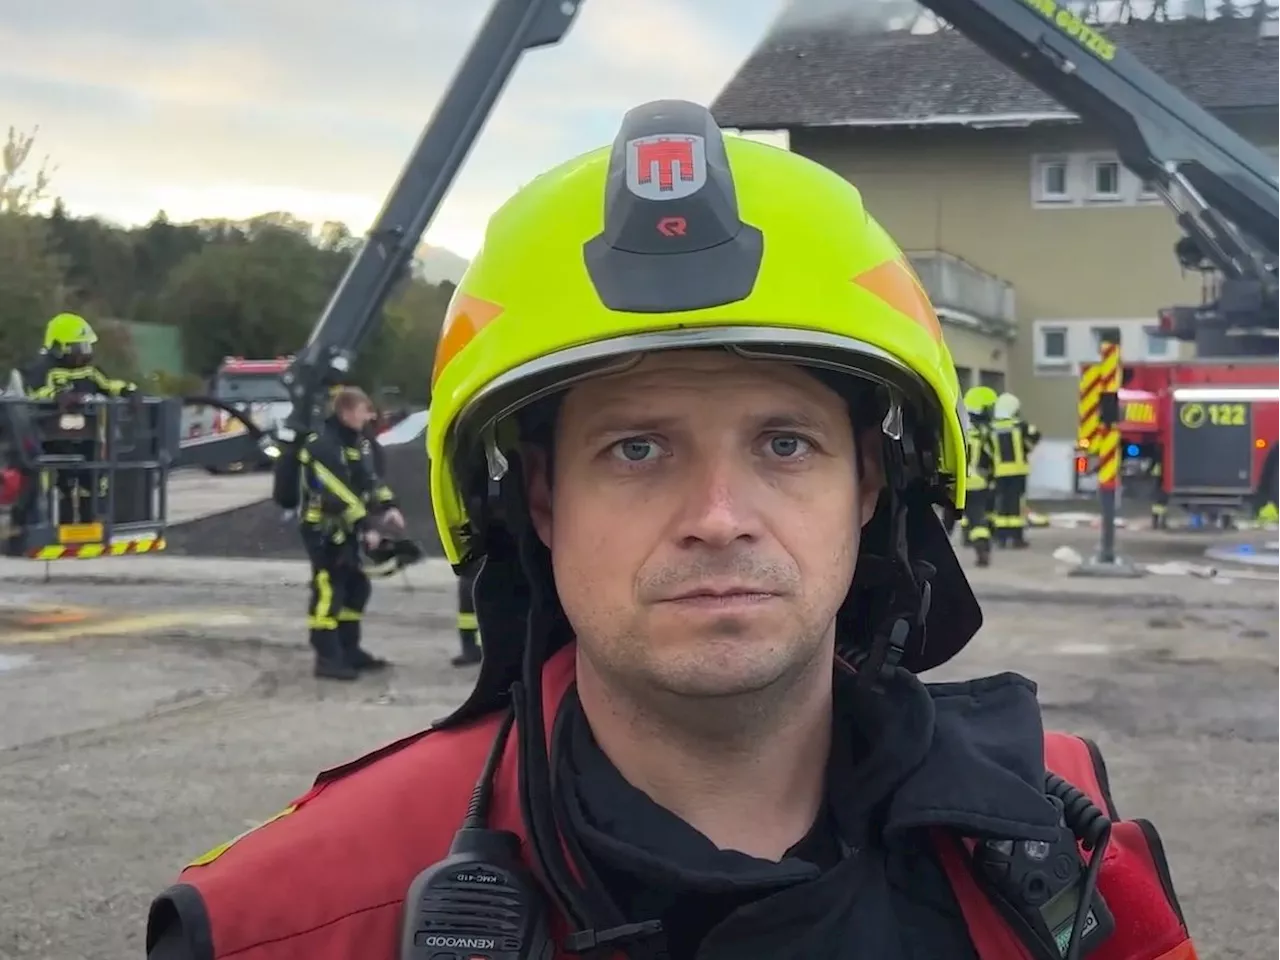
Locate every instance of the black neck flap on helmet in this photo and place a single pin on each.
(673, 241)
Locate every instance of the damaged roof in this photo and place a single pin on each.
(834, 77)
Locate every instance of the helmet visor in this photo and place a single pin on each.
(477, 426)
(78, 353)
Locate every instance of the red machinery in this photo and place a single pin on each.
(10, 486)
(1210, 423)
(253, 386)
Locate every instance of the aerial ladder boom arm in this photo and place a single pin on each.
(1221, 187)
(354, 310)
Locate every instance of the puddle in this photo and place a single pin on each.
(12, 661)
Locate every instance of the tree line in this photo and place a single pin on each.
(232, 288)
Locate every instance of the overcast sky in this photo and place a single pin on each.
(236, 107)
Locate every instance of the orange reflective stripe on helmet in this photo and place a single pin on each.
(896, 284)
(466, 316)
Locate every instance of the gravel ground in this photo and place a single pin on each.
(257, 529)
(154, 706)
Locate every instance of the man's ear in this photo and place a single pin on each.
(870, 471)
(538, 491)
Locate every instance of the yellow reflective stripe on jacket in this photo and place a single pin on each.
(212, 855)
(1014, 464)
(355, 507)
(107, 385)
(57, 378)
(975, 455)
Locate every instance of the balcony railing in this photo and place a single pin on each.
(963, 293)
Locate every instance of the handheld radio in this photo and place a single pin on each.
(1044, 887)
(480, 902)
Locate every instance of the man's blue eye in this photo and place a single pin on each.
(787, 447)
(634, 451)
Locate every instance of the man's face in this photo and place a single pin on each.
(703, 520)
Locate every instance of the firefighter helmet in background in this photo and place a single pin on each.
(390, 556)
(1007, 407)
(979, 401)
(678, 237)
(69, 334)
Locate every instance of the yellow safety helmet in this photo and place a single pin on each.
(979, 400)
(68, 330)
(678, 237)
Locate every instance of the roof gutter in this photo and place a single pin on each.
(981, 121)
(975, 121)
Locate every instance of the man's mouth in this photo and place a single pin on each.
(723, 595)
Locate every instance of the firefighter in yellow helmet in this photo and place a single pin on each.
(64, 370)
(978, 403)
(692, 412)
(65, 363)
(1012, 441)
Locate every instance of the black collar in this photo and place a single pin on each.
(964, 756)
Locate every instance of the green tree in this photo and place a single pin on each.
(402, 351)
(114, 353)
(31, 289)
(21, 187)
(158, 248)
(256, 298)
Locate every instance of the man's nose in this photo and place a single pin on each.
(716, 507)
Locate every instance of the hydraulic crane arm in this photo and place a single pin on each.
(1221, 187)
(512, 27)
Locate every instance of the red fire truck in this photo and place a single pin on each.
(1209, 424)
(252, 387)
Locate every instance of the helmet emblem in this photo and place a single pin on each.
(666, 167)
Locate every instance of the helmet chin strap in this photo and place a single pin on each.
(895, 589)
(901, 595)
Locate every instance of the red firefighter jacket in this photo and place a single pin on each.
(299, 887)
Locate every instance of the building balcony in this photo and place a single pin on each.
(964, 295)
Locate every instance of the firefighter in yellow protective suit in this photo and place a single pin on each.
(1159, 497)
(978, 401)
(1269, 489)
(1012, 440)
(64, 370)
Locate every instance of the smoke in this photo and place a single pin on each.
(853, 16)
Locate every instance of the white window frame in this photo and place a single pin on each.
(1095, 337)
(1091, 183)
(1040, 164)
(1166, 346)
(1044, 363)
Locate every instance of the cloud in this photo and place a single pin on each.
(207, 107)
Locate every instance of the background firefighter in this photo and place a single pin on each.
(64, 370)
(1269, 489)
(978, 401)
(1159, 496)
(468, 626)
(65, 364)
(1012, 440)
(344, 502)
